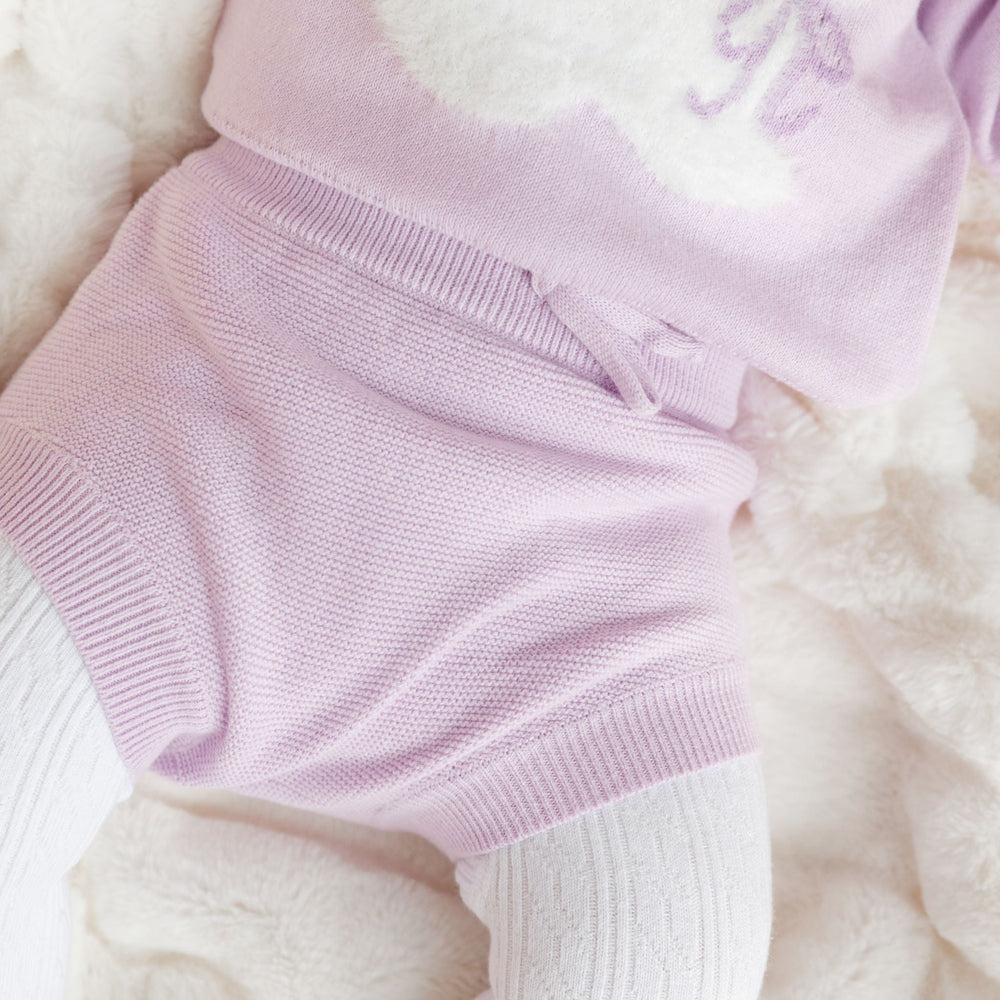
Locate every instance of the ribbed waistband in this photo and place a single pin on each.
(700, 385)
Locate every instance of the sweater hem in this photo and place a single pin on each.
(105, 591)
(657, 734)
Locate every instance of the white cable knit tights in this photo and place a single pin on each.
(664, 895)
(60, 776)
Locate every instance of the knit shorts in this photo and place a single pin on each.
(341, 514)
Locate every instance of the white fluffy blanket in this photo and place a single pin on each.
(869, 560)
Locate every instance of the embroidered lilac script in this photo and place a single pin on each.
(822, 51)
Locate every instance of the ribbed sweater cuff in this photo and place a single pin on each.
(104, 590)
(701, 720)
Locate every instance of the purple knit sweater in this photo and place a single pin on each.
(381, 467)
(780, 177)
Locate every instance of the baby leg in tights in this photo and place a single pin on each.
(663, 895)
(60, 776)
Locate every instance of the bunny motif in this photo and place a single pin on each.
(822, 51)
(661, 70)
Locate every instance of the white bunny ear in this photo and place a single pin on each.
(627, 66)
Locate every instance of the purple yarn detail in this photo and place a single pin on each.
(822, 52)
(752, 55)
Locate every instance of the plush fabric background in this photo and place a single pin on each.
(869, 561)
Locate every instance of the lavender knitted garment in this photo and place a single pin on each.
(381, 467)
(779, 177)
(340, 514)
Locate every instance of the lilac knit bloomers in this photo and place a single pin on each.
(340, 513)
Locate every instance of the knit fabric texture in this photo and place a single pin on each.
(779, 177)
(666, 892)
(340, 513)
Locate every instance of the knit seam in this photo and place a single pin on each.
(282, 157)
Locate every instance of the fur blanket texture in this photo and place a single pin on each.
(868, 557)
